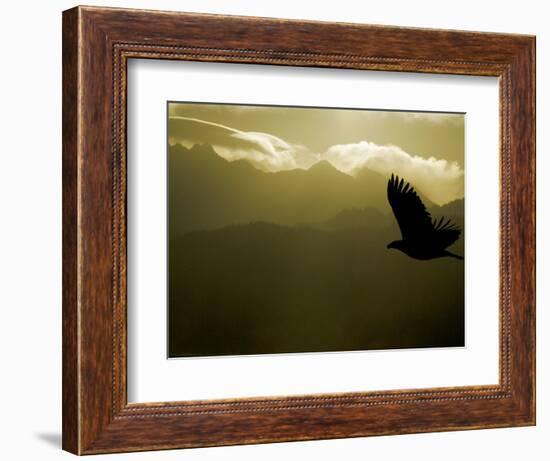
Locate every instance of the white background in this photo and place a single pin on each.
(30, 243)
(153, 378)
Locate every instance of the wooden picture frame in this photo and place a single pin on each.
(97, 43)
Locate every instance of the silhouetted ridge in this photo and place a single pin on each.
(266, 288)
(211, 192)
(323, 166)
(356, 218)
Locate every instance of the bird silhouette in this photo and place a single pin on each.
(422, 237)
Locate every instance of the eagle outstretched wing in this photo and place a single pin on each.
(415, 222)
(445, 233)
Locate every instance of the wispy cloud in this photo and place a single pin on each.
(440, 180)
(436, 118)
(263, 150)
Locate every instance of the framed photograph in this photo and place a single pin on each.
(282, 230)
(275, 248)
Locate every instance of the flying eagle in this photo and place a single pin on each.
(422, 237)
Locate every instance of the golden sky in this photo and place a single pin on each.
(427, 149)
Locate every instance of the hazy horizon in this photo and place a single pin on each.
(425, 148)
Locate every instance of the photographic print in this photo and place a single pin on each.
(313, 229)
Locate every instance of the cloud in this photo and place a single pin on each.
(437, 118)
(429, 118)
(440, 180)
(265, 151)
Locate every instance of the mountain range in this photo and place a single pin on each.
(296, 261)
(208, 192)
